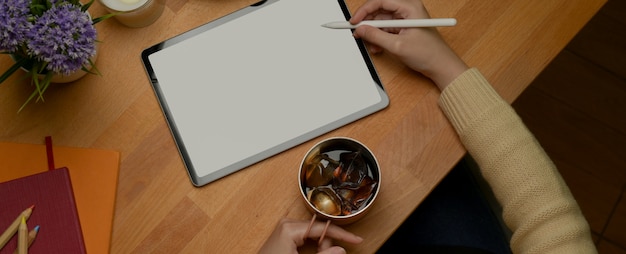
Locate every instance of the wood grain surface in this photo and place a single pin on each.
(159, 210)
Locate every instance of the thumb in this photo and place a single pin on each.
(333, 250)
(375, 36)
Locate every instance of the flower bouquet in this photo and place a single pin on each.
(47, 38)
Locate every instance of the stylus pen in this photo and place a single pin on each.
(395, 23)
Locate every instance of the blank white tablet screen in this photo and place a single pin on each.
(263, 82)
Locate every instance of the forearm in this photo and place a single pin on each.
(537, 205)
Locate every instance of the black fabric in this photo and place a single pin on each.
(454, 218)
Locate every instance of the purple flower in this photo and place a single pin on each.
(64, 37)
(13, 23)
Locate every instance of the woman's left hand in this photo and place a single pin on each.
(289, 235)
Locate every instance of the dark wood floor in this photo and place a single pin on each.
(577, 110)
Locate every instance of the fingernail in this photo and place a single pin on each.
(339, 251)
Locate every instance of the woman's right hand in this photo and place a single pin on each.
(421, 49)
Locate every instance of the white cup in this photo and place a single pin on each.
(135, 13)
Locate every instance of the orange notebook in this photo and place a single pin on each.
(93, 172)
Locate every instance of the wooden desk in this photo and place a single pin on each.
(159, 210)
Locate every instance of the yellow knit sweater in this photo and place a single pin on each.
(537, 204)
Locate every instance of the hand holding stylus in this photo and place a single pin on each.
(393, 23)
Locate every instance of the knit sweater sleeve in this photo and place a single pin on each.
(537, 205)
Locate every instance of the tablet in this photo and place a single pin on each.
(259, 81)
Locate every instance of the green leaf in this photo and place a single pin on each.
(27, 101)
(94, 70)
(38, 9)
(39, 67)
(35, 79)
(21, 62)
(86, 6)
(74, 2)
(45, 84)
(102, 18)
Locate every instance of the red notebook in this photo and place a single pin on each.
(55, 211)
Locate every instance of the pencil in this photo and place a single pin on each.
(31, 237)
(22, 237)
(12, 229)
